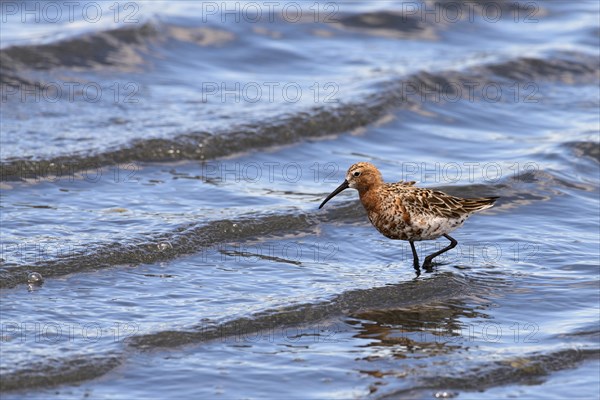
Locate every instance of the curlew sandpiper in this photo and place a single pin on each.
(405, 212)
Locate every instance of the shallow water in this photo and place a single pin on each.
(175, 219)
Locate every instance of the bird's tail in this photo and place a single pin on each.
(478, 204)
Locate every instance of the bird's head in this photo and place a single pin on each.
(360, 176)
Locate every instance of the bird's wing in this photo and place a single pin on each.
(405, 183)
(420, 201)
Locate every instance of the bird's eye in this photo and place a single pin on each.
(356, 173)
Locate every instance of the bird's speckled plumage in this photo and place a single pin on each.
(402, 211)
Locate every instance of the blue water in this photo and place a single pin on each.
(162, 168)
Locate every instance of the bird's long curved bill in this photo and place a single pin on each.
(343, 186)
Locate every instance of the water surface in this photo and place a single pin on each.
(174, 215)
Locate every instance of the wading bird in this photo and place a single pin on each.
(405, 212)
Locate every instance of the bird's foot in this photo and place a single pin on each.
(417, 267)
(428, 266)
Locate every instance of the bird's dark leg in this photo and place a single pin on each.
(453, 243)
(415, 255)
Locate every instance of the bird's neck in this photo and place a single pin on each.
(368, 197)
